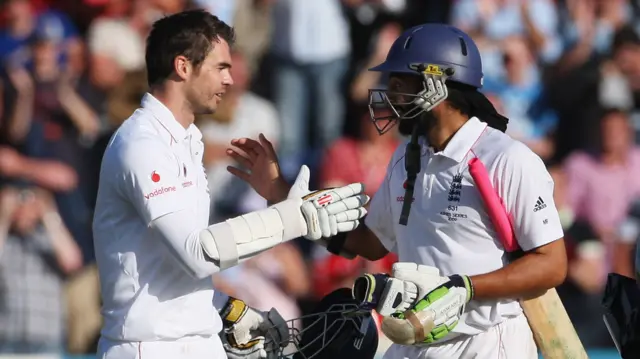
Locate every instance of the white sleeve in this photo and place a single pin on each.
(526, 188)
(379, 218)
(150, 180)
(182, 238)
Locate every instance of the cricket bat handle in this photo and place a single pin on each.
(552, 329)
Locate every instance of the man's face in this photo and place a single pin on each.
(208, 83)
(28, 213)
(617, 136)
(403, 84)
(18, 10)
(400, 84)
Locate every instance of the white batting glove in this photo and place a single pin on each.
(300, 186)
(426, 278)
(327, 216)
(331, 211)
(253, 349)
(441, 303)
(399, 292)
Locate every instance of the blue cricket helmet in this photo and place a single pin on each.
(439, 54)
(440, 45)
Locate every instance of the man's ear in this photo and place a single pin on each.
(182, 67)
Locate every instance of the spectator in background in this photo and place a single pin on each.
(241, 113)
(601, 184)
(36, 253)
(51, 175)
(22, 22)
(521, 93)
(582, 84)
(490, 21)
(253, 25)
(64, 128)
(623, 79)
(116, 46)
(594, 22)
(311, 48)
(365, 79)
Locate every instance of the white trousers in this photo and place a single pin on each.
(511, 339)
(188, 348)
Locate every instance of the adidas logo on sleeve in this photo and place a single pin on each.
(540, 205)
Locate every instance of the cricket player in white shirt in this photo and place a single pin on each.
(155, 249)
(452, 264)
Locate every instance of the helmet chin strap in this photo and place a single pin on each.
(412, 166)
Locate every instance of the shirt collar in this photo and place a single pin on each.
(167, 120)
(463, 140)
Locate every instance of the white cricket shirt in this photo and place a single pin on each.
(152, 167)
(448, 226)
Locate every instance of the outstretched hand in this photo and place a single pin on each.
(260, 167)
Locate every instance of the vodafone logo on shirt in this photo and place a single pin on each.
(160, 191)
(155, 178)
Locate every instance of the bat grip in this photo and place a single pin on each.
(495, 208)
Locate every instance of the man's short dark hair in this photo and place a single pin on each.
(188, 33)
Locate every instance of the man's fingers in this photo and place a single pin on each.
(243, 161)
(242, 153)
(250, 145)
(350, 215)
(268, 146)
(347, 204)
(239, 173)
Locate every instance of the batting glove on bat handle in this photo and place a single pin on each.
(384, 294)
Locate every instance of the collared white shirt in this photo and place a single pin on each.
(152, 167)
(448, 226)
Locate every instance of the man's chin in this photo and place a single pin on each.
(206, 111)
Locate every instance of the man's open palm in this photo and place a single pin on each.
(260, 167)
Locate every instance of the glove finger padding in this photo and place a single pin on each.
(355, 202)
(349, 190)
(351, 215)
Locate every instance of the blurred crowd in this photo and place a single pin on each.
(565, 72)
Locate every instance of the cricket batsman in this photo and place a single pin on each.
(452, 266)
(155, 249)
